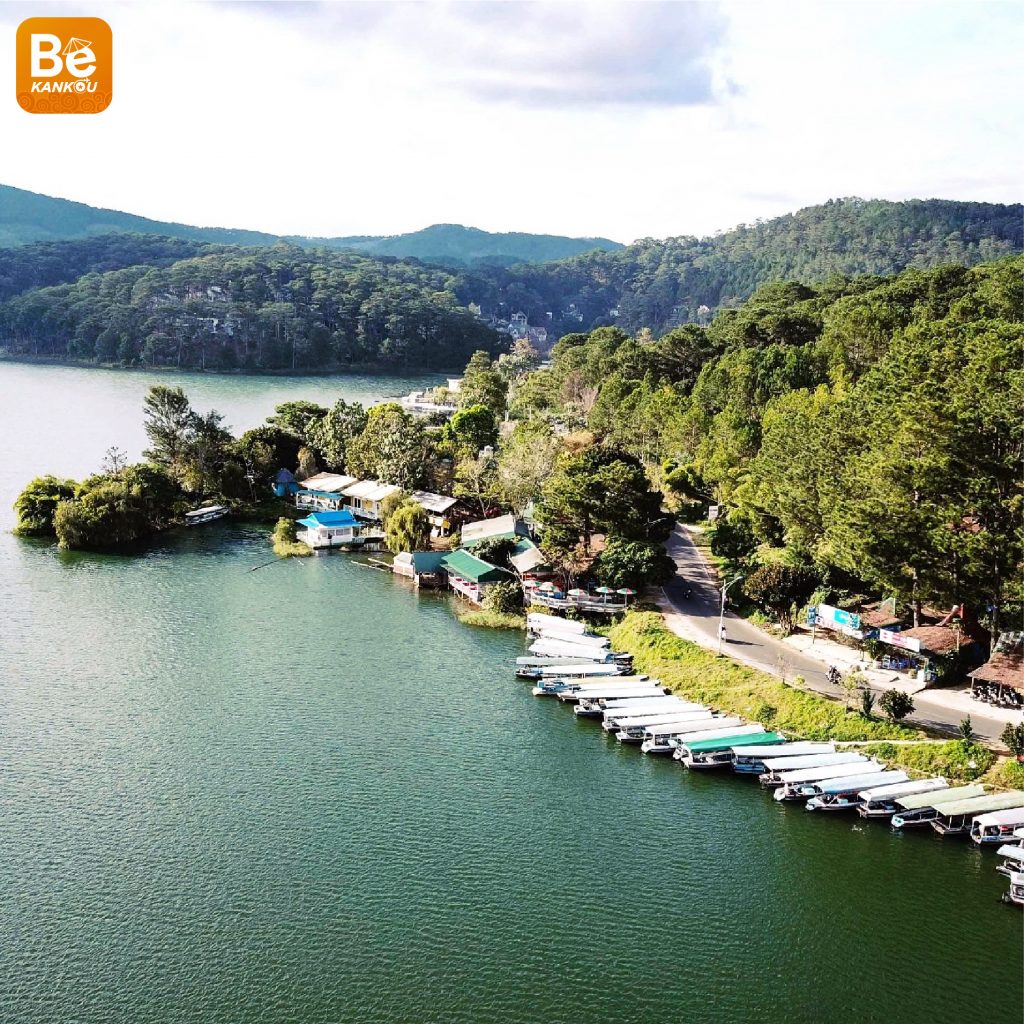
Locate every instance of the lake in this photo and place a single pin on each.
(307, 794)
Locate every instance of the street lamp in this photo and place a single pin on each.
(721, 614)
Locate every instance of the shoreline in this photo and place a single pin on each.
(356, 369)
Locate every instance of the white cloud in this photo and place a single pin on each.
(623, 120)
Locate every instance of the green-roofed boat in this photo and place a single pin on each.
(718, 753)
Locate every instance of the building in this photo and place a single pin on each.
(506, 527)
(424, 567)
(440, 511)
(470, 576)
(285, 483)
(1001, 679)
(363, 497)
(322, 492)
(330, 529)
(527, 559)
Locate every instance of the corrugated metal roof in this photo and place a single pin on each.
(340, 518)
(469, 567)
(492, 529)
(327, 482)
(437, 503)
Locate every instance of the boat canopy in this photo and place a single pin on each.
(1001, 819)
(717, 728)
(1012, 852)
(692, 725)
(562, 649)
(891, 792)
(547, 671)
(637, 691)
(828, 771)
(785, 750)
(664, 718)
(578, 639)
(853, 783)
(980, 805)
(554, 624)
(528, 661)
(781, 764)
(656, 706)
(750, 734)
(920, 801)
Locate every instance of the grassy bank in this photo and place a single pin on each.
(953, 760)
(492, 620)
(697, 674)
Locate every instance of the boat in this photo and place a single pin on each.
(955, 819)
(578, 652)
(649, 713)
(922, 808)
(530, 668)
(791, 781)
(1013, 859)
(996, 826)
(844, 794)
(880, 801)
(648, 689)
(636, 731)
(205, 514)
(539, 623)
(659, 739)
(595, 705)
(718, 753)
(775, 767)
(1015, 895)
(751, 761)
(573, 687)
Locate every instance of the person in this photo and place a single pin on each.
(721, 634)
(833, 674)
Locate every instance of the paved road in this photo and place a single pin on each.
(753, 646)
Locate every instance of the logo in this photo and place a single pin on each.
(64, 65)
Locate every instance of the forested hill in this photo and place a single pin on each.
(660, 284)
(267, 308)
(455, 244)
(30, 217)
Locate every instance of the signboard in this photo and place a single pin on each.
(835, 618)
(893, 639)
(712, 513)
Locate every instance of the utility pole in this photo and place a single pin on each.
(721, 613)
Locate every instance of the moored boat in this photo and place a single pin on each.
(718, 753)
(880, 801)
(922, 808)
(1012, 859)
(750, 761)
(996, 826)
(1015, 895)
(844, 794)
(790, 783)
(636, 732)
(956, 819)
(775, 768)
(661, 739)
(205, 514)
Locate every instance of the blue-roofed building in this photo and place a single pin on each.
(285, 483)
(330, 529)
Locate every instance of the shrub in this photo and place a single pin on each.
(966, 730)
(1013, 737)
(286, 545)
(896, 705)
(867, 702)
(505, 598)
(38, 502)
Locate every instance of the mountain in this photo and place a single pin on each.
(456, 244)
(660, 284)
(30, 217)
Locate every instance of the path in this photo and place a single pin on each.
(696, 619)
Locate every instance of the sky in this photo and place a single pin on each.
(624, 120)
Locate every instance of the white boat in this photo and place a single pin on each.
(839, 770)
(775, 768)
(531, 668)
(542, 622)
(205, 514)
(1013, 859)
(660, 739)
(570, 688)
(1015, 894)
(623, 686)
(750, 760)
(577, 652)
(582, 671)
(632, 731)
(844, 794)
(649, 713)
(922, 808)
(595, 705)
(718, 753)
(996, 826)
(718, 739)
(880, 801)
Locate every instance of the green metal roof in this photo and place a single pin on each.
(980, 804)
(725, 742)
(917, 801)
(469, 567)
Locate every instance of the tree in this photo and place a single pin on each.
(390, 504)
(335, 430)
(867, 702)
(496, 550)
(474, 479)
(504, 597)
(600, 490)
(392, 447)
(1013, 737)
(37, 503)
(108, 515)
(297, 417)
(472, 428)
(525, 460)
(966, 730)
(896, 705)
(114, 461)
(633, 564)
(168, 419)
(265, 450)
(482, 385)
(408, 528)
(779, 589)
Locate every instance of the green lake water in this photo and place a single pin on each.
(307, 794)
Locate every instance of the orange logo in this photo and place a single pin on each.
(64, 65)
